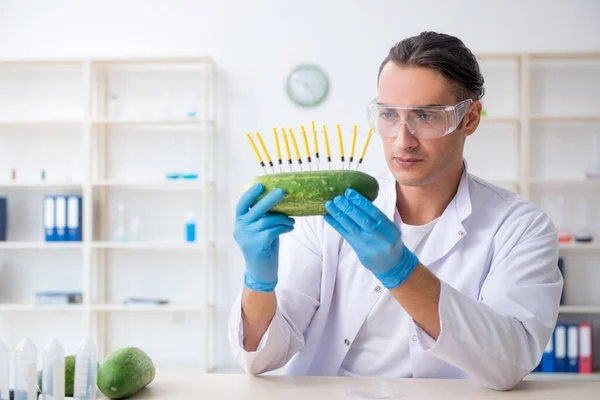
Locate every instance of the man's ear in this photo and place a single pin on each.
(471, 119)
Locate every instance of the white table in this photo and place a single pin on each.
(192, 384)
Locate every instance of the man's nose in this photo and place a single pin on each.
(404, 139)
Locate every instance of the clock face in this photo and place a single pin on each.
(307, 85)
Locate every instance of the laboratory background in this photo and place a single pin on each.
(124, 150)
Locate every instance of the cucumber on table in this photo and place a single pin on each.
(125, 372)
(306, 192)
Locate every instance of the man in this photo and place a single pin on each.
(442, 276)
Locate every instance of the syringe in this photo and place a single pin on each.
(4, 371)
(86, 370)
(25, 370)
(53, 379)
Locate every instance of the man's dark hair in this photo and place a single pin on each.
(444, 53)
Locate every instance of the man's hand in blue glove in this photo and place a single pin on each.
(257, 235)
(375, 239)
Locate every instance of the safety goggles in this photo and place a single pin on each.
(423, 122)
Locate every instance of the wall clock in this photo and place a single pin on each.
(307, 85)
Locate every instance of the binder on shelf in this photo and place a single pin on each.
(74, 219)
(547, 363)
(561, 263)
(49, 219)
(573, 348)
(560, 348)
(585, 348)
(3, 211)
(61, 218)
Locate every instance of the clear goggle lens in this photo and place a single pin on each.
(422, 122)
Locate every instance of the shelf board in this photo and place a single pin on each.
(167, 308)
(566, 118)
(579, 309)
(500, 120)
(147, 246)
(592, 246)
(565, 182)
(8, 307)
(180, 184)
(153, 60)
(41, 122)
(559, 376)
(40, 185)
(25, 245)
(548, 56)
(173, 121)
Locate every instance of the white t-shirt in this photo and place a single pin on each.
(381, 347)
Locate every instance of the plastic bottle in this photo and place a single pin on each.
(189, 172)
(86, 370)
(113, 106)
(135, 230)
(564, 234)
(120, 233)
(584, 233)
(53, 378)
(190, 227)
(26, 370)
(4, 372)
(593, 172)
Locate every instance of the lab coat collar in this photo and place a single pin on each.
(449, 229)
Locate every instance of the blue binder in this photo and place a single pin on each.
(573, 348)
(547, 363)
(561, 263)
(3, 210)
(61, 218)
(49, 219)
(560, 348)
(74, 219)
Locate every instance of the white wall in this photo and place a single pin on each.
(256, 43)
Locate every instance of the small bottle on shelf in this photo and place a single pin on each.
(189, 172)
(113, 106)
(564, 234)
(593, 171)
(135, 229)
(190, 227)
(584, 233)
(120, 234)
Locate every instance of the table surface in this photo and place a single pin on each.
(194, 384)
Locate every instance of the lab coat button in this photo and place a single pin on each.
(378, 289)
(414, 338)
(461, 233)
(346, 342)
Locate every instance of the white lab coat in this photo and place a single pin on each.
(496, 256)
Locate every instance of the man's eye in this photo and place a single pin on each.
(386, 115)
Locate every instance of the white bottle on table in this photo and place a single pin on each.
(53, 377)
(4, 372)
(86, 370)
(26, 370)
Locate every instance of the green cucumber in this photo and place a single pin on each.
(125, 372)
(306, 192)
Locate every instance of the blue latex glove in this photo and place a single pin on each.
(375, 239)
(257, 234)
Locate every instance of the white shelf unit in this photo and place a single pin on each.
(554, 96)
(98, 312)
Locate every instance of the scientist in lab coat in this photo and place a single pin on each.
(443, 276)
